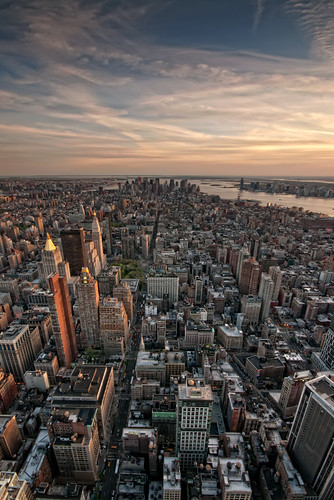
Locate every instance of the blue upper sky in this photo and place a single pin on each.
(166, 86)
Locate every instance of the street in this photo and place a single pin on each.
(115, 446)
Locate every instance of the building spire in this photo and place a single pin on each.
(49, 246)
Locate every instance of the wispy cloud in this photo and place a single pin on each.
(258, 13)
(316, 18)
(84, 87)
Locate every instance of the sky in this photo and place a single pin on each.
(167, 87)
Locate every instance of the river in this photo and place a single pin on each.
(228, 191)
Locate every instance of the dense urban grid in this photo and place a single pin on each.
(160, 343)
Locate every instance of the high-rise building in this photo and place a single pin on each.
(276, 275)
(198, 290)
(13, 487)
(8, 391)
(40, 225)
(93, 259)
(88, 303)
(97, 240)
(51, 260)
(327, 351)
(11, 286)
(292, 389)
(249, 277)
(193, 421)
(108, 232)
(128, 246)
(108, 278)
(242, 256)
(145, 245)
(159, 285)
(311, 440)
(122, 292)
(62, 320)
(114, 327)
(89, 386)
(73, 244)
(19, 347)
(10, 436)
(266, 294)
(142, 441)
(268, 262)
(74, 437)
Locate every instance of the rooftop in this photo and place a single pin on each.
(324, 387)
(195, 389)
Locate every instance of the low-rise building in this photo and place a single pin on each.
(231, 338)
(171, 479)
(234, 480)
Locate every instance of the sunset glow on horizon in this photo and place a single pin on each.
(167, 87)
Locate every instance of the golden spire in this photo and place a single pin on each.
(49, 246)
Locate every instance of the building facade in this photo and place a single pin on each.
(88, 303)
(193, 421)
(311, 440)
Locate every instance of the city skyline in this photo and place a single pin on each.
(167, 88)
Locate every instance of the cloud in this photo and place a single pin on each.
(258, 13)
(85, 87)
(316, 19)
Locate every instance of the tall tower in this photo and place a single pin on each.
(73, 243)
(266, 294)
(40, 225)
(97, 239)
(249, 277)
(128, 246)
(88, 302)
(108, 232)
(62, 320)
(243, 255)
(311, 440)
(51, 257)
(198, 290)
(145, 245)
(193, 421)
(276, 275)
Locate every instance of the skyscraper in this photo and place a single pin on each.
(276, 275)
(145, 245)
(311, 440)
(243, 255)
(62, 320)
(193, 421)
(108, 232)
(251, 308)
(88, 302)
(51, 258)
(97, 240)
(266, 294)
(19, 347)
(249, 277)
(73, 244)
(128, 246)
(74, 437)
